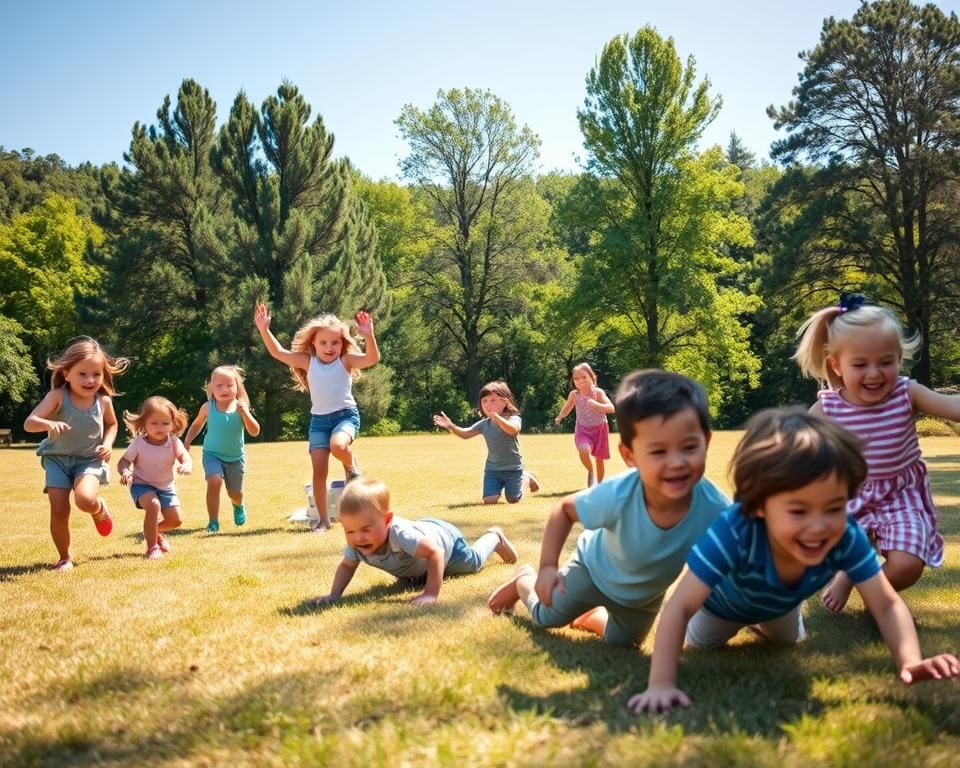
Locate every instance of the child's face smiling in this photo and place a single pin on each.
(804, 524)
(85, 377)
(670, 454)
(869, 364)
(158, 426)
(366, 530)
(327, 344)
(224, 388)
(583, 382)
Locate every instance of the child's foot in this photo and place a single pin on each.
(506, 595)
(239, 514)
(102, 520)
(506, 550)
(154, 553)
(593, 621)
(322, 527)
(64, 564)
(163, 544)
(835, 595)
(532, 482)
(213, 526)
(352, 474)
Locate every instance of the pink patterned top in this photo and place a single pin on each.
(886, 429)
(587, 415)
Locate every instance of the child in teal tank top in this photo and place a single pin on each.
(227, 416)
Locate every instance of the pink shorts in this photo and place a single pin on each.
(898, 512)
(596, 439)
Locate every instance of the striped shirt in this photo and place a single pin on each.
(733, 558)
(887, 429)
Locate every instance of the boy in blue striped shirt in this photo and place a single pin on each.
(784, 538)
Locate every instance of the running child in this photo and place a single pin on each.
(148, 464)
(500, 427)
(423, 550)
(227, 416)
(640, 524)
(324, 360)
(857, 350)
(77, 415)
(591, 436)
(785, 536)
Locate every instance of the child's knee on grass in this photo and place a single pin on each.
(902, 569)
(491, 499)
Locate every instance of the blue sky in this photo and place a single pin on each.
(77, 75)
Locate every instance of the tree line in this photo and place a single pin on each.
(657, 254)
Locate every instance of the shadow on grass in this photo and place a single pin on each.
(244, 531)
(9, 572)
(373, 594)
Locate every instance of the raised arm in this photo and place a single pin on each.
(662, 692)
(900, 634)
(196, 426)
(933, 403)
(261, 319)
(567, 407)
(371, 354)
(434, 557)
(555, 532)
(443, 421)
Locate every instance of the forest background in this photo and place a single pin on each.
(657, 253)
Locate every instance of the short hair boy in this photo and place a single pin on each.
(640, 524)
(415, 550)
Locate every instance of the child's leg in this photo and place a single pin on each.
(787, 629)
(492, 485)
(601, 470)
(320, 462)
(172, 517)
(902, 569)
(151, 515)
(704, 630)
(214, 484)
(341, 446)
(471, 559)
(506, 595)
(583, 453)
(60, 521)
(86, 495)
(594, 620)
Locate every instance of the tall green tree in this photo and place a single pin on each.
(303, 238)
(473, 163)
(661, 216)
(876, 109)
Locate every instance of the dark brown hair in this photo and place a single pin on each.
(500, 388)
(788, 448)
(653, 392)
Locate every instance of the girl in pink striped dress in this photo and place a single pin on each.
(591, 434)
(857, 350)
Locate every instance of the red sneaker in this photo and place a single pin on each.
(105, 524)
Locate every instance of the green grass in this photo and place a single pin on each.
(212, 656)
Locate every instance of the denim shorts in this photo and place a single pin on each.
(510, 481)
(64, 471)
(168, 498)
(323, 426)
(230, 471)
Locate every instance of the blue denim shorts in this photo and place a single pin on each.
(64, 471)
(323, 426)
(230, 471)
(167, 498)
(510, 481)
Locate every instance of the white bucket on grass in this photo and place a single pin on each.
(334, 489)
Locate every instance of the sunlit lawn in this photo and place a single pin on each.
(212, 657)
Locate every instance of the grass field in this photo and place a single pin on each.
(213, 657)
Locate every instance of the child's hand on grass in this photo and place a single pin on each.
(322, 600)
(423, 599)
(657, 698)
(943, 666)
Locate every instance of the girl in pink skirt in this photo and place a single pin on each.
(591, 435)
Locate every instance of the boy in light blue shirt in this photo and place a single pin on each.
(640, 524)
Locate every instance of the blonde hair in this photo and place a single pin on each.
(136, 422)
(236, 373)
(365, 494)
(822, 335)
(784, 449)
(85, 348)
(500, 388)
(303, 344)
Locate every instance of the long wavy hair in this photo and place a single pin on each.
(303, 344)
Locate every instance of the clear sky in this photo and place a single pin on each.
(77, 74)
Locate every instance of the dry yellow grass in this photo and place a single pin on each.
(211, 657)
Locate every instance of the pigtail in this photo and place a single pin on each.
(812, 350)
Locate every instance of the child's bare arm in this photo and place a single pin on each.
(123, 467)
(185, 466)
(510, 427)
(434, 557)
(567, 407)
(555, 533)
(601, 402)
(900, 634)
(444, 422)
(41, 418)
(371, 352)
(196, 426)
(262, 318)
(662, 692)
(341, 578)
(933, 403)
(249, 423)
(109, 428)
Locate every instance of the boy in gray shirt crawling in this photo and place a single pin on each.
(425, 549)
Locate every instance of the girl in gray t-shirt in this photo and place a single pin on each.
(500, 428)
